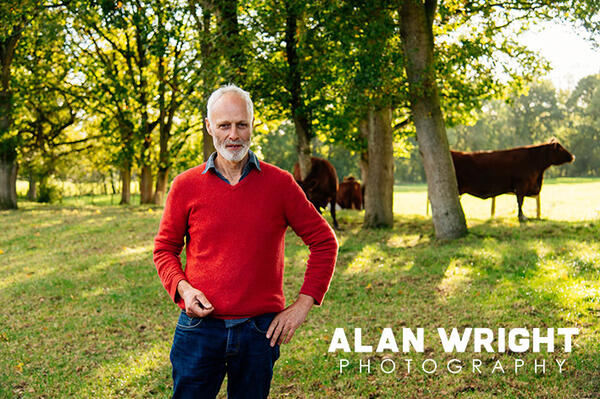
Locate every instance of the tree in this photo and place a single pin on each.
(416, 21)
(582, 134)
(46, 105)
(148, 76)
(287, 70)
(14, 19)
(223, 48)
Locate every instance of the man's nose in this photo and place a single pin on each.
(234, 133)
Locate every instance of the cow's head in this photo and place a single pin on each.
(559, 154)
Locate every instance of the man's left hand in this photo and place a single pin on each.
(284, 325)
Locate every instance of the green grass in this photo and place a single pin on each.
(84, 314)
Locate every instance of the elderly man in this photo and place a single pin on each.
(233, 211)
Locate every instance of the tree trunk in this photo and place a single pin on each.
(417, 39)
(161, 187)
(112, 182)
(232, 43)
(297, 107)
(32, 190)
(8, 144)
(164, 127)
(8, 184)
(303, 146)
(379, 192)
(364, 158)
(125, 184)
(146, 185)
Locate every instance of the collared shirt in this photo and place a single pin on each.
(252, 162)
(210, 165)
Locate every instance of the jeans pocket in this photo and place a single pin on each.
(188, 323)
(257, 329)
(261, 323)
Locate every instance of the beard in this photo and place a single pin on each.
(230, 154)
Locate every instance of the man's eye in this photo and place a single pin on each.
(242, 125)
(224, 126)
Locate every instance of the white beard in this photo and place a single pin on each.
(232, 155)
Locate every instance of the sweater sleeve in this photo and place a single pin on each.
(315, 232)
(169, 241)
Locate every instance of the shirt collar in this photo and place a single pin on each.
(252, 162)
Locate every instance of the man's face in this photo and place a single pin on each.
(230, 127)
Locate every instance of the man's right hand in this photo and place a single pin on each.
(196, 304)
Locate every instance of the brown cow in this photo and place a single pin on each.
(349, 195)
(518, 170)
(320, 185)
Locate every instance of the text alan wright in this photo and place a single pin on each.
(476, 340)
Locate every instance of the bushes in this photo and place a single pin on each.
(49, 193)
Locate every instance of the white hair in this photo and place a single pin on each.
(230, 88)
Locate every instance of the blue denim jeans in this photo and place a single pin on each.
(204, 350)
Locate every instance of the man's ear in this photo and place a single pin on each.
(208, 127)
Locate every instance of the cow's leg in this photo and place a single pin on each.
(522, 217)
(335, 223)
(493, 207)
(539, 206)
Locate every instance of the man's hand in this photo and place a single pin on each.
(196, 304)
(284, 325)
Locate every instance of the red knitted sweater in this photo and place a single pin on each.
(235, 240)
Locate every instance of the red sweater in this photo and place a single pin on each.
(235, 240)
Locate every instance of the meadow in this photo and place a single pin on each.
(84, 314)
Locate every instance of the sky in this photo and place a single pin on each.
(570, 54)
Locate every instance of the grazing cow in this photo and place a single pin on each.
(349, 195)
(518, 170)
(320, 185)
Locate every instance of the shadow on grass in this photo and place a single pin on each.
(94, 320)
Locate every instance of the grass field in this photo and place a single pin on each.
(84, 314)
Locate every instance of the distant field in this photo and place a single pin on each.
(84, 314)
(561, 199)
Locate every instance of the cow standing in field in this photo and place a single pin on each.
(349, 194)
(320, 185)
(520, 170)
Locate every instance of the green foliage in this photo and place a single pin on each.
(8, 148)
(582, 127)
(49, 192)
(113, 66)
(138, 63)
(46, 103)
(278, 146)
(529, 118)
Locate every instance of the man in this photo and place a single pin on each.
(234, 211)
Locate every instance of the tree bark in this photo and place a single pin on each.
(364, 158)
(164, 127)
(146, 185)
(8, 144)
(303, 146)
(416, 20)
(8, 184)
(125, 184)
(112, 182)
(379, 192)
(297, 107)
(161, 187)
(232, 45)
(32, 190)
(208, 77)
